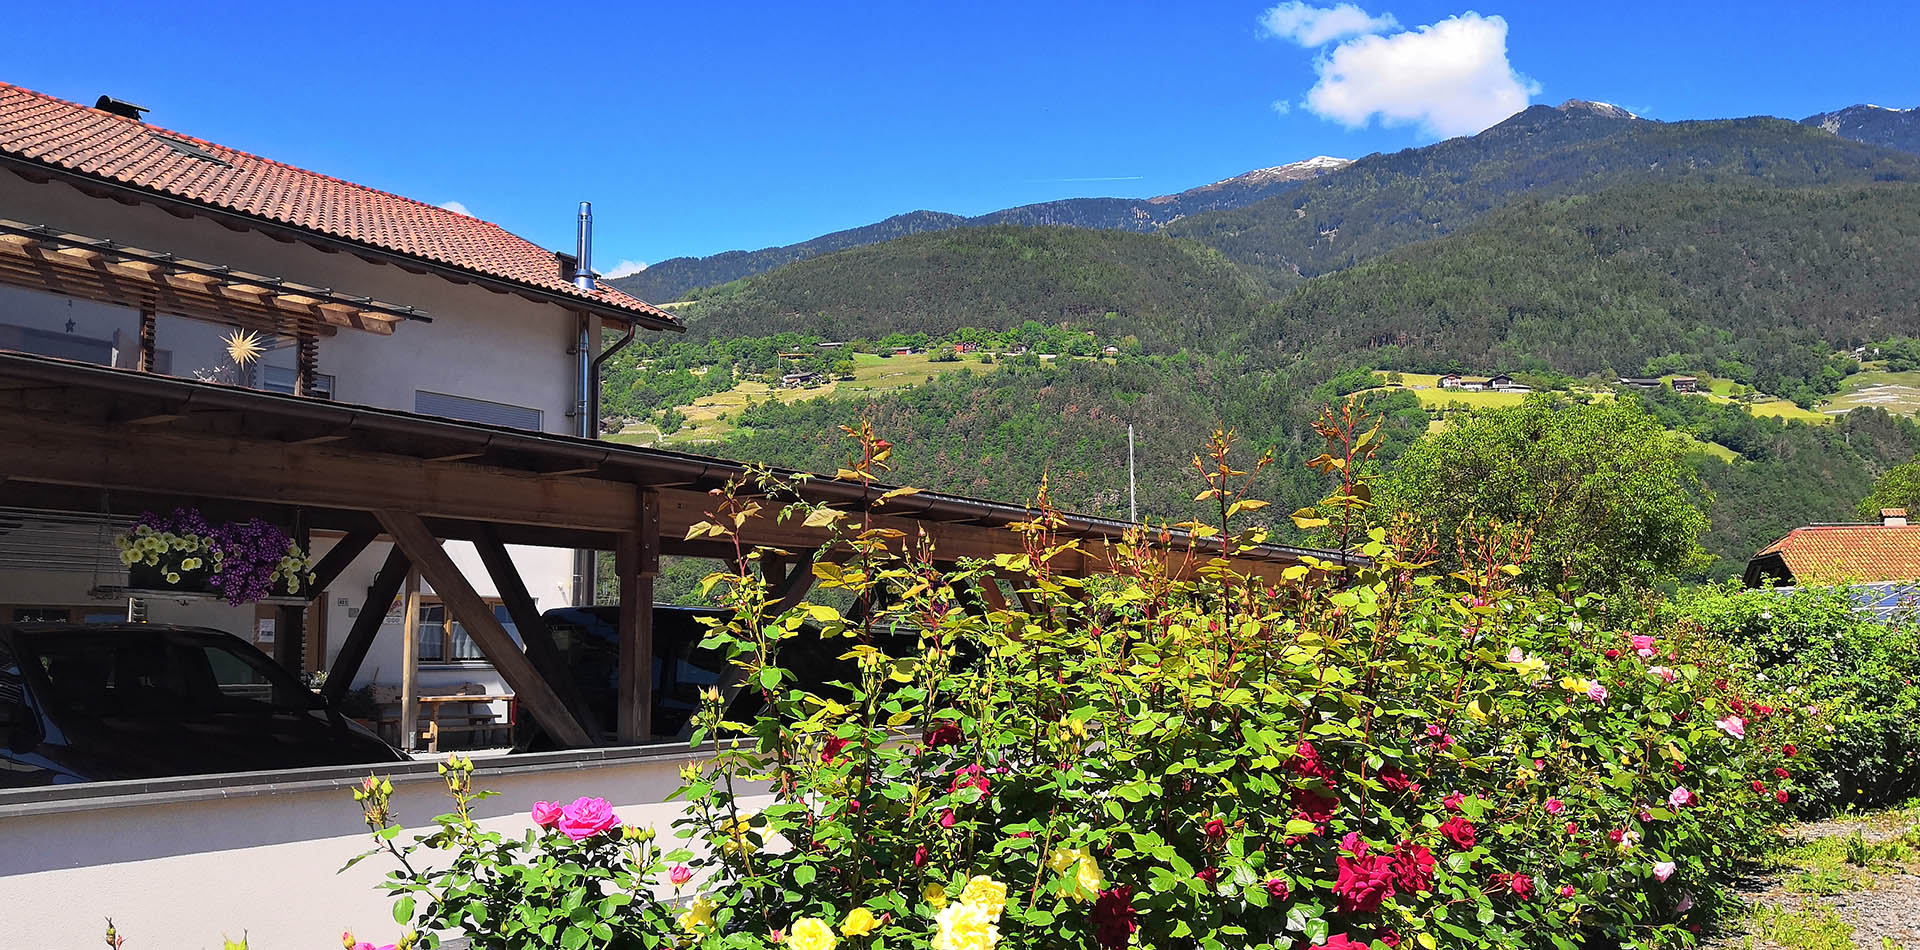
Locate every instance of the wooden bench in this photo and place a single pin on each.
(432, 707)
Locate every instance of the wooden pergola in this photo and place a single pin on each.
(74, 436)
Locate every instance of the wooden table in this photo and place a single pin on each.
(433, 705)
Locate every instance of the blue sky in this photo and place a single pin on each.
(696, 128)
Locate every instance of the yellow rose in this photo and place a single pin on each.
(1062, 859)
(698, 915)
(935, 895)
(811, 933)
(965, 926)
(987, 893)
(859, 923)
(1090, 879)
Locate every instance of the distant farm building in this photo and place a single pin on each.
(1686, 384)
(1877, 552)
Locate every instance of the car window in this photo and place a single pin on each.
(127, 673)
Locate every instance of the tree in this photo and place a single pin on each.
(1604, 491)
(1898, 488)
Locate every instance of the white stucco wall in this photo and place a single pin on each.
(178, 875)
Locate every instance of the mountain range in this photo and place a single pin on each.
(672, 279)
(675, 278)
(1567, 241)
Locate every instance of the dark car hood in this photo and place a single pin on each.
(115, 747)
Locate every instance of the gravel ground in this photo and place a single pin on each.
(1884, 910)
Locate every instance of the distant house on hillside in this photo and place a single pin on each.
(1640, 382)
(1874, 553)
(1111, 351)
(904, 351)
(1501, 382)
(798, 380)
(1686, 384)
(965, 347)
(829, 346)
(1450, 381)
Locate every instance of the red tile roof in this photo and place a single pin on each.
(54, 132)
(1864, 553)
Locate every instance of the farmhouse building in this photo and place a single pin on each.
(1874, 553)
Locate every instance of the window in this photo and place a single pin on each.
(279, 379)
(443, 639)
(475, 410)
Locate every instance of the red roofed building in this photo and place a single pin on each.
(127, 245)
(1841, 553)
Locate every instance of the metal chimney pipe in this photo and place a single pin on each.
(583, 265)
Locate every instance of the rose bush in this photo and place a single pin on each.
(1169, 753)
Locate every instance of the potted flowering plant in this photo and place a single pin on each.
(243, 561)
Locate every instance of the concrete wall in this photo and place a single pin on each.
(178, 863)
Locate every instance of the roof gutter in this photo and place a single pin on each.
(334, 242)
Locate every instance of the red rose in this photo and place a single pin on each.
(1389, 937)
(1397, 781)
(1216, 829)
(1313, 806)
(1344, 942)
(1779, 773)
(1113, 917)
(1759, 787)
(1459, 831)
(835, 745)
(1306, 762)
(920, 855)
(1519, 885)
(1210, 875)
(1781, 796)
(972, 775)
(1277, 888)
(1790, 749)
(1363, 883)
(1412, 868)
(947, 733)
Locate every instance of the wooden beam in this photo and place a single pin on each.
(792, 588)
(533, 691)
(289, 639)
(144, 362)
(366, 626)
(410, 662)
(636, 559)
(990, 591)
(336, 560)
(541, 648)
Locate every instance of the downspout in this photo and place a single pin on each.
(586, 420)
(598, 361)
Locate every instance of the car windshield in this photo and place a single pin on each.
(156, 673)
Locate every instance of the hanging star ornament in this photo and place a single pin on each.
(244, 346)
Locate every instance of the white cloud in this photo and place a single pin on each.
(626, 269)
(1282, 107)
(1315, 26)
(1449, 78)
(456, 207)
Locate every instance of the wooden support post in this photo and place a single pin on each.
(991, 593)
(366, 626)
(410, 662)
(289, 635)
(636, 558)
(144, 362)
(306, 366)
(476, 615)
(541, 649)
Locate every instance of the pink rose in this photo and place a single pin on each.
(1666, 675)
(1680, 797)
(587, 817)
(1453, 800)
(546, 814)
(1566, 890)
(1643, 645)
(680, 874)
(1597, 693)
(1733, 726)
(1555, 806)
(1663, 870)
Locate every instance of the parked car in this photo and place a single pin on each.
(98, 702)
(589, 639)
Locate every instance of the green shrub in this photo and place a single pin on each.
(1168, 753)
(1812, 644)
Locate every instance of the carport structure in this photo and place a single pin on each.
(86, 439)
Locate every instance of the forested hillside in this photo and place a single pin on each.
(1746, 282)
(1385, 201)
(1167, 293)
